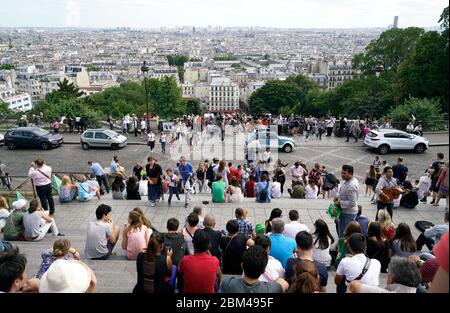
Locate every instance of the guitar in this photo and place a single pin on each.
(390, 194)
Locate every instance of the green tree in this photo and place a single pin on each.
(178, 61)
(193, 106)
(66, 90)
(391, 48)
(4, 108)
(427, 112)
(273, 97)
(6, 67)
(225, 58)
(166, 98)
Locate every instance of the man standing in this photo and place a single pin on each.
(297, 172)
(348, 198)
(330, 124)
(154, 174)
(400, 171)
(185, 169)
(386, 182)
(436, 166)
(41, 175)
(97, 170)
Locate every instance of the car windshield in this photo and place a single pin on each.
(40, 132)
(111, 133)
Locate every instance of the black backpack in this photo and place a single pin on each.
(263, 194)
(210, 175)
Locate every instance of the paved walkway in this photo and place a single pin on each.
(119, 274)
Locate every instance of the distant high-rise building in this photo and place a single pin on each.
(395, 25)
(193, 29)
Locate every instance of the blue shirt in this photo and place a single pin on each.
(97, 169)
(113, 167)
(255, 171)
(282, 248)
(185, 170)
(263, 186)
(363, 223)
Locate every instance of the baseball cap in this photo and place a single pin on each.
(65, 276)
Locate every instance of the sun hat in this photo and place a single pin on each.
(66, 276)
(19, 204)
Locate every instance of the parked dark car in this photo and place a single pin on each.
(31, 137)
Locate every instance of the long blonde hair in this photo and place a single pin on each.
(61, 247)
(3, 203)
(65, 181)
(385, 219)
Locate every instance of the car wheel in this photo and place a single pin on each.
(420, 148)
(85, 146)
(114, 146)
(11, 146)
(287, 148)
(45, 146)
(384, 149)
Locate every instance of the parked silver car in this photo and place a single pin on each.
(102, 138)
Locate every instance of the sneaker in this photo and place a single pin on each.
(60, 235)
(186, 205)
(152, 204)
(423, 200)
(432, 202)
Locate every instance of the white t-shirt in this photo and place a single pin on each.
(276, 190)
(353, 266)
(143, 187)
(423, 186)
(322, 255)
(293, 228)
(311, 193)
(274, 270)
(151, 137)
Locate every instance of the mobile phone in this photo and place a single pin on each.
(205, 202)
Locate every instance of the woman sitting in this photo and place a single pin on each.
(410, 198)
(235, 191)
(4, 212)
(118, 188)
(68, 191)
(135, 236)
(276, 188)
(153, 267)
(352, 227)
(37, 223)
(377, 246)
(387, 226)
(311, 190)
(322, 240)
(306, 279)
(86, 190)
(404, 244)
(62, 249)
(133, 189)
(143, 186)
(13, 228)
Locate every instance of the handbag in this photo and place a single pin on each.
(153, 180)
(334, 211)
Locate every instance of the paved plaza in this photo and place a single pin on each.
(119, 274)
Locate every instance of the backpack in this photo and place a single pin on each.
(210, 175)
(263, 194)
(177, 244)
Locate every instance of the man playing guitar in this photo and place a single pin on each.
(387, 190)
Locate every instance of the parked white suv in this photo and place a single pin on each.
(387, 139)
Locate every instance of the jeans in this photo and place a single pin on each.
(173, 190)
(422, 240)
(100, 180)
(343, 221)
(154, 192)
(45, 195)
(381, 206)
(151, 144)
(350, 134)
(163, 147)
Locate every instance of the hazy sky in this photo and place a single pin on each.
(270, 13)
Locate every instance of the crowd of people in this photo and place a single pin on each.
(194, 256)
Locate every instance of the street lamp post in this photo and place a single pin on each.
(379, 69)
(145, 70)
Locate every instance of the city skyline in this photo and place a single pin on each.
(263, 13)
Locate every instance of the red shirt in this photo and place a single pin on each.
(238, 175)
(441, 252)
(388, 233)
(231, 174)
(250, 189)
(199, 273)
